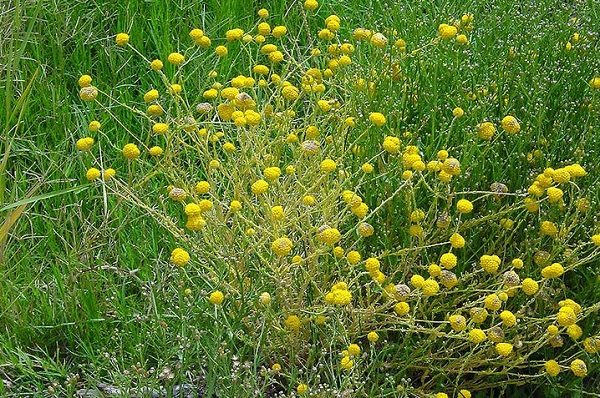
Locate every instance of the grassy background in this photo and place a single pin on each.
(80, 291)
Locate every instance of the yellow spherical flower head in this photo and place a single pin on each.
(339, 295)
(504, 349)
(553, 271)
(492, 302)
(221, 51)
(84, 144)
(353, 257)
(485, 130)
(311, 5)
(478, 315)
(372, 265)
(346, 363)
(566, 316)
(530, 287)
(457, 113)
(259, 187)
(508, 318)
(548, 228)
(477, 336)
(160, 128)
(302, 389)
(510, 124)
(329, 235)
(462, 39)
(277, 213)
(156, 65)
(108, 174)
(122, 39)
(155, 151)
(216, 297)
(264, 298)
(279, 31)
(430, 287)
(434, 270)
(591, 345)
(574, 331)
(84, 80)
(578, 367)
(151, 95)
(263, 13)
(131, 151)
(417, 281)
(175, 89)
(180, 257)
(457, 241)
(552, 368)
(92, 174)
(365, 229)
(458, 323)
(308, 200)
(293, 323)
(490, 263)
(451, 166)
(446, 31)
(367, 168)
(88, 93)
(378, 119)
(464, 206)
(373, 337)
(595, 82)
(554, 194)
(176, 58)
(281, 246)
(391, 144)
(94, 126)
(440, 395)
(448, 260)
(328, 165)
(272, 173)
(234, 34)
(203, 187)
(402, 308)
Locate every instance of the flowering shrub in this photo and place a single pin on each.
(337, 240)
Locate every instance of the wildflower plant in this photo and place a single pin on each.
(340, 236)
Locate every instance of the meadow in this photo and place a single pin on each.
(304, 198)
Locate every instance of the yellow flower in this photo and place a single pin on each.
(478, 315)
(221, 51)
(417, 281)
(259, 187)
(434, 270)
(108, 174)
(552, 368)
(309, 200)
(367, 168)
(373, 337)
(196, 34)
(477, 336)
(94, 126)
(88, 93)
(508, 318)
(151, 95)
(264, 298)
(530, 287)
(553, 271)
(448, 279)
(402, 308)
(311, 5)
(235, 206)
(216, 297)
(346, 363)
(457, 113)
(485, 130)
(554, 194)
(263, 13)
(591, 345)
(203, 187)
(180, 257)
(84, 80)
(155, 151)
(176, 58)
(574, 331)
(122, 39)
(548, 228)
(234, 34)
(293, 323)
(457, 241)
(492, 302)
(279, 31)
(462, 39)
(446, 31)
(391, 144)
(490, 263)
(328, 165)
(510, 125)
(329, 235)
(281, 246)
(504, 349)
(464, 206)
(448, 260)
(276, 56)
(302, 389)
(277, 213)
(378, 40)
(578, 368)
(131, 151)
(92, 174)
(378, 119)
(160, 128)
(84, 144)
(595, 82)
(353, 257)
(566, 316)
(272, 173)
(458, 323)
(430, 287)
(175, 89)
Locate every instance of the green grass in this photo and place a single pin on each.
(83, 287)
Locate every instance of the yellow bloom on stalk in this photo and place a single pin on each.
(511, 125)
(504, 349)
(94, 126)
(457, 241)
(477, 336)
(131, 151)
(552, 368)
(391, 144)
(448, 260)
(553, 271)
(485, 130)
(311, 5)
(122, 39)
(464, 206)
(92, 174)
(259, 187)
(530, 287)
(84, 81)
(378, 119)
(281, 246)
(490, 263)
(84, 144)
(328, 165)
(578, 367)
(458, 323)
(180, 257)
(446, 31)
(221, 51)
(155, 151)
(176, 58)
(88, 93)
(216, 297)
